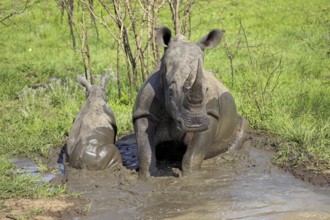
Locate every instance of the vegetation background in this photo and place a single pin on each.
(274, 59)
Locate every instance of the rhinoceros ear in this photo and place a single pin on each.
(163, 36)
(211, 40)
(83, 81)
(104, 80)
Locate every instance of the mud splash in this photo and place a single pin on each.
(236, 185)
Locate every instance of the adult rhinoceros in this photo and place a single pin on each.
(181, 102)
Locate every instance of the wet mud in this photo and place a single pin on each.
(241, 184)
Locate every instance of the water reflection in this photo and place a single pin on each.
(256, 195)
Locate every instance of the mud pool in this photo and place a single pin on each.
(236, 185)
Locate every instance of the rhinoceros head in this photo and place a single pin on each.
(185, 86)
(93, 90)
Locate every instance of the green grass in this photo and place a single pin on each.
(281, 79)
(13, 184)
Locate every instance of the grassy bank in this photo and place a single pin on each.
(274, 59)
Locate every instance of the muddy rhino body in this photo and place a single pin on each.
(91, 139)
(181, 102)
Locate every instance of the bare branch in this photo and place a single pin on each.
(174, 6)
(16, 12)
(246, 40)
(136, 38)
(100, 19)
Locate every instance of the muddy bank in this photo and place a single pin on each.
(64, 207)
(265, 141)
(240, 184)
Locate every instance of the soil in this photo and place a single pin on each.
(237, 184)
(43, 209)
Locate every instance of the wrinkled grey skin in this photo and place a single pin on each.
(183, 103)
(91, 140)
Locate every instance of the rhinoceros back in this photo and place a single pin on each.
(95, 151)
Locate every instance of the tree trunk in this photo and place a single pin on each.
(70, 20)
(91, 10)
(118, 70)
(174, 6)
(137, 40)
(125, 39)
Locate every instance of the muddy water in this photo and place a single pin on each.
(236, 185)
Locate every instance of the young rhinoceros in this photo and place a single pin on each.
(91, 140)
(182, 103)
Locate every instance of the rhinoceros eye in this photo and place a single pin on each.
(189, 81)
(185, 89)
(171, 89)
(170, 92)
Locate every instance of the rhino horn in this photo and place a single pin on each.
(195, 93)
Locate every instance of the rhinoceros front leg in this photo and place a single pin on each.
(197, 146)
(146, 142)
